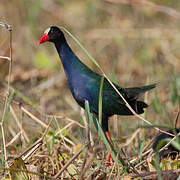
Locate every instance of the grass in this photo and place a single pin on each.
(118, 40)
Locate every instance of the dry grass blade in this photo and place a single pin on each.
(13, 139)
(18, 124)
(33, 117)
(32, 150)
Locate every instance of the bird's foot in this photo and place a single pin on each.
(109, 160)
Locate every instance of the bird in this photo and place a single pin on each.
(84, 84)
(162, 139)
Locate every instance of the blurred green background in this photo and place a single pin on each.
(135, 45)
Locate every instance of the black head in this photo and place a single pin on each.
(52, 34)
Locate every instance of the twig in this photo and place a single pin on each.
(10, 54)
(9, 28)
(70, 161)
(5, 57)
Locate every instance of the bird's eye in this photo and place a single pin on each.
(52, 32)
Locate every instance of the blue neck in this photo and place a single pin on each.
(66, 55)
(69, 60)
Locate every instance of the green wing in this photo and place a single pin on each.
(111, 101)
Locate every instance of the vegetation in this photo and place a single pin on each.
(46, 133)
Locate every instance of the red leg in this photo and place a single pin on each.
(108, 157)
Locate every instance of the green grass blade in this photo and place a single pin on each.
(89, 120)
(87, 112)
(82, 47)
(47, 145)
(2, 156)
(9, 103)
(53, 139)
(100, 100)
(140, 149)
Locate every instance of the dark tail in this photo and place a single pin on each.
(136, 92)
(147, 88)
(138, 106)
